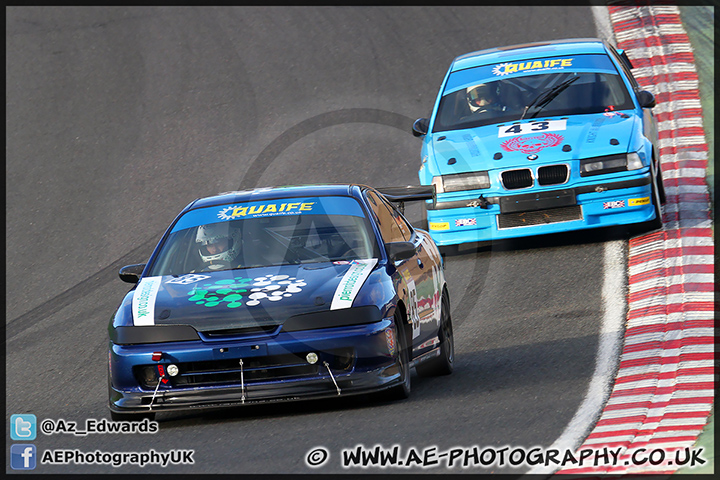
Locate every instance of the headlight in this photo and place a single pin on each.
(610, 164)
(461, 181)
(633, 161)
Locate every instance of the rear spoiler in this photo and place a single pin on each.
(410, 193)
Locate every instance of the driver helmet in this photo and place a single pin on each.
(218, 243)
(481, 96)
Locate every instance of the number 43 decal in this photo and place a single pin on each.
(531, 127)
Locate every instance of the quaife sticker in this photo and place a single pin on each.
(143, 303)
(351, 282)
(265, 209)
(532, 127)
(634, 202)
(532, 66)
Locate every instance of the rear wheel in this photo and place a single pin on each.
(443, 364)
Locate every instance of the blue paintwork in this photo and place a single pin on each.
(184, 301)
(586, 135)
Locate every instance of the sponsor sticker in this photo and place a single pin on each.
(390, 339)
(532, 127)
(188, 279)
(439, 226)
(264, 209)
(143, 303)
(351, 282)
(465, 222)
(614, 204)
(532, 144)
(531, 66)
(332, 205)
(634, 202)
(430, 343)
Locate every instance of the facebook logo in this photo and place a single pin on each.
(22, 457)
(23, 427)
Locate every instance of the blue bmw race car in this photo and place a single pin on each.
(540, 138)
(281, 294)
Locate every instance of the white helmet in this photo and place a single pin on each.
(219, 243)
(482, 97)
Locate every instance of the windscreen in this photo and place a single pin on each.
(267, 233)
(543, 87)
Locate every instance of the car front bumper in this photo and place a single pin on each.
(351, 360)
(453, 220)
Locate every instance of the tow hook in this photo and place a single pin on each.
(480, 202)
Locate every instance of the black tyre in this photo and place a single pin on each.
(423, 223)
(660, 185)
(656, 223)
(448, 250)
(402, 391)
(131, 417)
(443, 364)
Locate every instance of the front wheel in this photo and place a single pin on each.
(443, 364)
(660, 184)
(449, 250)
(656, 223)
(401, 391)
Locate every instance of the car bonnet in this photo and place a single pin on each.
(535, 140)
(245, 298)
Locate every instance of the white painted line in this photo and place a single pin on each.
(648, 412)
(639, 370)
(610, 343)
(671, 335)
(666, 397)
(707, 278)
(663, 382)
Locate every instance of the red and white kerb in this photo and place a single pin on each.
(663, 392)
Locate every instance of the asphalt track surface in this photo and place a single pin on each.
(119, 117)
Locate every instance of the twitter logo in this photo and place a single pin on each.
(23, 427)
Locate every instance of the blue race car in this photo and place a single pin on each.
(281, 294)
(540, 138)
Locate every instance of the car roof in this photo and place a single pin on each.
(569, 46)
(290, 191)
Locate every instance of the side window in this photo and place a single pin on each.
(404, 227)
(385, 218)
(624, 68)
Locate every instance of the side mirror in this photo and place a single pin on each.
(131, 273)
(420, 127)
(646, 99)
(400, 250)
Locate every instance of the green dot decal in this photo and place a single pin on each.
(228, 292)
